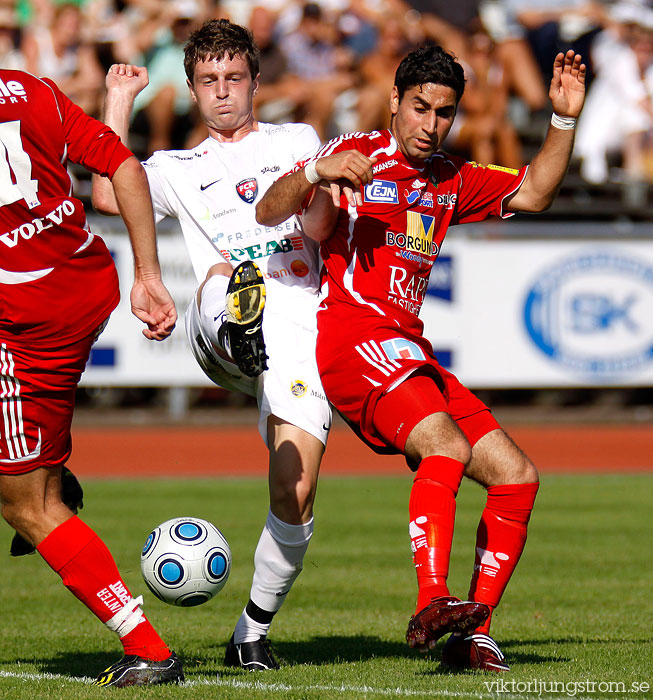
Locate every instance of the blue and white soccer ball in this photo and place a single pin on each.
(185, 561)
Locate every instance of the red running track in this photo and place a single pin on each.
(239, 451)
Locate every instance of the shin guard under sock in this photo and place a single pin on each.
(90, 573)
(500, 540)
(278, 561)
(432, 510)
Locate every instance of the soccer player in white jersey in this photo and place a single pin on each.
(212, 190)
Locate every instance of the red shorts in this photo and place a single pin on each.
(37, 396)
(355, 378)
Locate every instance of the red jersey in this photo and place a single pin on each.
(376, 268)
(378, 260)
(57, 281)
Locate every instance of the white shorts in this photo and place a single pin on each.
(290, 388)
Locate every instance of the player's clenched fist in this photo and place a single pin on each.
(351, 165)
(126, 78)
(349, 170)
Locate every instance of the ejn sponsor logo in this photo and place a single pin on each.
(590, 313)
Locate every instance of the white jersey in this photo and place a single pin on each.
(212, 190)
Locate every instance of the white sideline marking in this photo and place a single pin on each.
(283, 687)
(269, 687)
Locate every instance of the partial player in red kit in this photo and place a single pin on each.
(381, 204)
(58, 285)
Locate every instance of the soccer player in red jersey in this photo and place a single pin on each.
(381, 204)
(58, 285)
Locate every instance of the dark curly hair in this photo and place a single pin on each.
(216, 38)
(430, 64)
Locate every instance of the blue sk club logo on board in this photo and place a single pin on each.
(592, 314)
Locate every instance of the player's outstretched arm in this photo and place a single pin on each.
(548, 168)
(151, 301)
(123, 83)
(347, 171)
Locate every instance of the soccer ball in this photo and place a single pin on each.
(185, 561)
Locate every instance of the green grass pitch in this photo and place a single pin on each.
(577, 612)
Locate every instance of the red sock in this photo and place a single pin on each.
(432, 510)
(500, 540)
(89, 572)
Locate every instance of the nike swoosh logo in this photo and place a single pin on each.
(325, 427)
(206, 187)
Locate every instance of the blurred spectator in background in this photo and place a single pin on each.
(523, 75)
(281, 97)
(34, 12)
(619, 108)
(482, 128)
(122, 29)
(378, 70)
(166, 100)
(329, 63)
(357, 27)
(451, 26)
(444, 22)
(10, 39)
(63, 53)
(550, 26)
(346, 96)
(314, 55)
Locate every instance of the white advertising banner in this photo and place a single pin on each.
(537, 313)
(122, 356)
(540, 311)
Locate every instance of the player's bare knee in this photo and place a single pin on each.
(519, 471)
(7, 514)
(517, 468)
(438, 435)
(525, 472)
(221, 268)
(20, 516)
(459, 449)
(305, 494)
(498, 461)
(292, 501)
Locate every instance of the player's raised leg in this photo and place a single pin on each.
(244, 318)
(295, 457)
(224, 325)
(412, 417)
(511, 482)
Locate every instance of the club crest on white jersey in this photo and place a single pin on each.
(247, 189)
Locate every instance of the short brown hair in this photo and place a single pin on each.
(216, 38)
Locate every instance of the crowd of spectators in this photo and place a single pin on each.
(331, 63)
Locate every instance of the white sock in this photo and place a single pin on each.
(212, 306)
(278, 561)
(248, 630)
